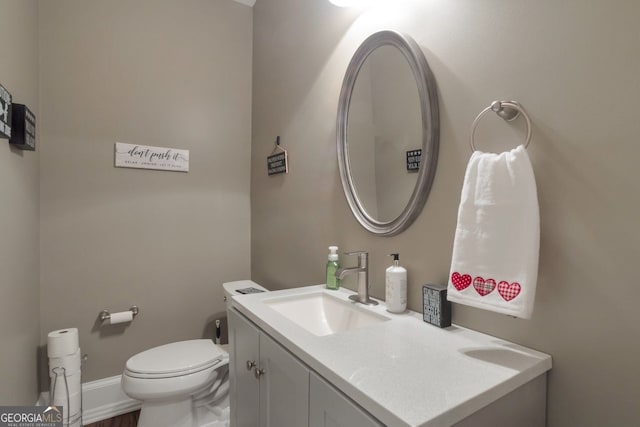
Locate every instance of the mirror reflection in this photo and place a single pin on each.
(384, 123)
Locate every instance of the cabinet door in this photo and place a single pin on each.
(284, 387)
(330, 408)
(244, 339)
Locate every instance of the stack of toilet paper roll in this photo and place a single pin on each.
(65, 374)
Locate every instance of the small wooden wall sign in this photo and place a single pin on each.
(278, 161)
(5, 113)
(24, 128)
(147, 157)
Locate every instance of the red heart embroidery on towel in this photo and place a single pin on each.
(484, 287)
(460, 282)
(509, 291)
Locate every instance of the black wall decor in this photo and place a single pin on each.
(413, 160)
(5, 113)
(23, 128)
(278, 161)
(436, 309)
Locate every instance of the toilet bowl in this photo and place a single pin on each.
(182, 384)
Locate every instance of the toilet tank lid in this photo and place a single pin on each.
(176, 357)
(232, 287)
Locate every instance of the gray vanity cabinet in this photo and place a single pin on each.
(269, 386)
(284, 387)
(244, 341)
(330, 408)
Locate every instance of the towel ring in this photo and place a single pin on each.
(508, 110)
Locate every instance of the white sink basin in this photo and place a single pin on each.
(323, 314)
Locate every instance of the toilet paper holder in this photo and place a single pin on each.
(106, 315)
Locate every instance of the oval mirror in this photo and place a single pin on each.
(387, 113)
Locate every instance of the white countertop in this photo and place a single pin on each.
(404, 371)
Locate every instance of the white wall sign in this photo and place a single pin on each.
(145, 157)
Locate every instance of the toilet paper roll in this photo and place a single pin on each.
(73, 384)
(62, 342)
(73, 422)
(77, 422)
(68, 372)
(73, 410)
(71, 363)
(121, 317)
(59, 388)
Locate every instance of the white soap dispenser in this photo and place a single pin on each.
(396, 286)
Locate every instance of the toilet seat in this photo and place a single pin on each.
(175, 360)
(146, 375)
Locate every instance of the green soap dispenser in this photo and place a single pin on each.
(333, 282)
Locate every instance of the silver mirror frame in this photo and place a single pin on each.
(428, 95)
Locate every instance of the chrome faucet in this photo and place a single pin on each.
(363, 277)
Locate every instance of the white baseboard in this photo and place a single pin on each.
(101, 399)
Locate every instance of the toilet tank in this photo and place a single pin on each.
(240, 287)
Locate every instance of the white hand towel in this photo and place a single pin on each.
(495, 251)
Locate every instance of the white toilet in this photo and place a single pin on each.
(186, 383)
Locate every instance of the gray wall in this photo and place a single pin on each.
(19, 226)
(575, 68)
(162, 73)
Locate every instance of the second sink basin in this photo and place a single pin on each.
(323, 314)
